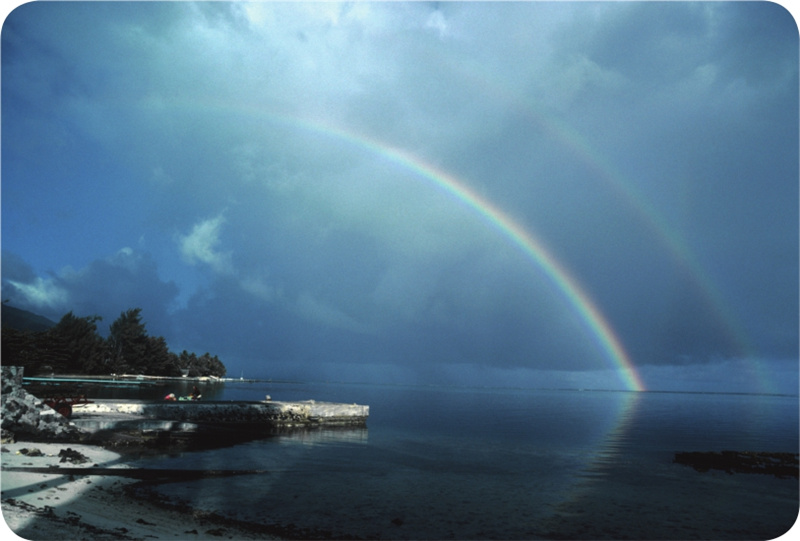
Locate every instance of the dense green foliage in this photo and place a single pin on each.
(73, 346)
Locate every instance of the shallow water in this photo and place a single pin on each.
(438, 463)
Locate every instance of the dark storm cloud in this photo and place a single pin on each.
(706, 155)
(15, 268)
(241, 149)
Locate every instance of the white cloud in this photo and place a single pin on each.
(42, 293)
(200, 246)
(104, 287)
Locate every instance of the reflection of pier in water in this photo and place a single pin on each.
(324, 436)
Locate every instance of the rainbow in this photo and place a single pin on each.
(530, 245)
(476, 75)
(648, 214)
(557, 129)
(533, 248)
(671, 239)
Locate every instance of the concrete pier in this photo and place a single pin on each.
(184, 415)
(141, 424)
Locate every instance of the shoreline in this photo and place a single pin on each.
(142, 378)
(64, 481)
(63, 505)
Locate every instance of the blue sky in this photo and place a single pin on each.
(227, 168)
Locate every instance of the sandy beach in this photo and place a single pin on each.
(71, 504)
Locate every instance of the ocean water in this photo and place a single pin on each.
(456, 463)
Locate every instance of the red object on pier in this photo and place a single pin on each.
(63, 404)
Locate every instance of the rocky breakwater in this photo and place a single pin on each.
(208, 424)
(28, 417)
(164, 424)
(267, 413)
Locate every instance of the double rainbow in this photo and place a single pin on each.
(532, 247)
(529, 244)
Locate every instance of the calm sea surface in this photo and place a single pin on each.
(445, 463)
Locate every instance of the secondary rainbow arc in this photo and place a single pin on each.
(534, 250)
(524, 106)
(492, 87)
(532, 247)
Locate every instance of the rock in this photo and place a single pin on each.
(69, 455)
(24, 414)
(777, 464)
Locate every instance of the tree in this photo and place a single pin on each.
(81, 349)
(211, 366)
(128, 343)
(73, 346)
(22, 348)
(205, 365)
(187, 362)
(160, 361)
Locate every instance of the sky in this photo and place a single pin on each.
(590, 195)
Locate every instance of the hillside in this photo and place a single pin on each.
(22, 320)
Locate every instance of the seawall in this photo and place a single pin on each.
(139, 425)
(167, 424)
(269, 414)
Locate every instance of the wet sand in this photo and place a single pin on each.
(77, 505)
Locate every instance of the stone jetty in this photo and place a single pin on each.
(138, 423)
(108, 414)
(138, 426)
